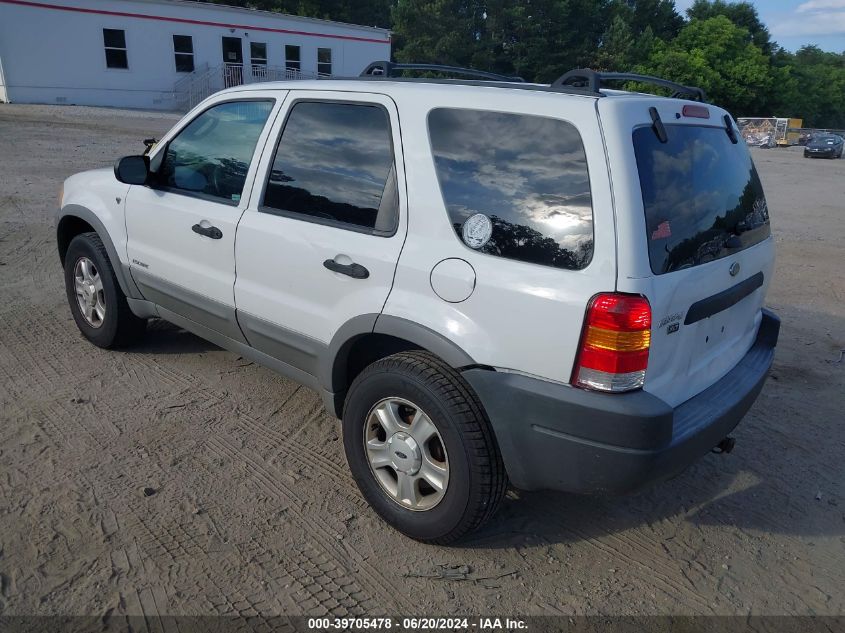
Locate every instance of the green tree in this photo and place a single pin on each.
(617, 46)
(743, 14)
(660, 16)
(536, 39)
(820, 97)
(717, 56)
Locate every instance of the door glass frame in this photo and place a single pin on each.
(277, 133)
(157, 158)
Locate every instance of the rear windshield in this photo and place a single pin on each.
(702, 196)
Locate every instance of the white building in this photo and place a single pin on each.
(165, 54)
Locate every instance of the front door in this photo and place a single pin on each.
(319, 243)
(181, 226)
(233, 62)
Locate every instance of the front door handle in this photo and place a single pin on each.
(356, 271)
(207, 231)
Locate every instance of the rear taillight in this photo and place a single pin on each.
(614, 343)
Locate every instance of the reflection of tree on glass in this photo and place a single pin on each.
(538, 199)
(335, 162)
(705, 193)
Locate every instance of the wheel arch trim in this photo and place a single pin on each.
(121, 271)
(333, 365)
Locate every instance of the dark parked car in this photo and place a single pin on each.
(825, 146)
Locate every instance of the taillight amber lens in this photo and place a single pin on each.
(614, 343)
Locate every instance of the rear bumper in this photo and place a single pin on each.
(556, 437)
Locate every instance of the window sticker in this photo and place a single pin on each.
(663, 231)
(477, 230)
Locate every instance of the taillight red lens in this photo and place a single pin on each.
(614, 343)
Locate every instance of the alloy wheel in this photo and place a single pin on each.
(89, 292)
(406, 454)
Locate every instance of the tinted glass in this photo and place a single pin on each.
(332, 164)
(211, 155)
(324, 61)
(183, 44)
(116, 58)
(114, 38)
(292, 56)
(258, 52)
(184, 63)
(527, 174)
(702, 196)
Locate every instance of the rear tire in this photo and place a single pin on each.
(429, 390)
(97, 303)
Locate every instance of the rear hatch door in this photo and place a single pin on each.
(693, 237)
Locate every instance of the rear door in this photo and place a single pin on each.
(693, 232)
(319, 242)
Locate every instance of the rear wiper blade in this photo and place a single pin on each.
(657, 125)
(729, 128)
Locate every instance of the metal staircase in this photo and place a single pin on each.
(206, 80)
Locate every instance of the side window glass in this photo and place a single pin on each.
(210, 157)
(334, 165)
(515, 185)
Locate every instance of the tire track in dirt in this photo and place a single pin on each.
(325, 587)
(173, 550)
(272, 484)
(307, 456)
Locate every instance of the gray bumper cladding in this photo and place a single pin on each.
(557, 437)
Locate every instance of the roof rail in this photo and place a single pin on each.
(391, 69)
(592, 81)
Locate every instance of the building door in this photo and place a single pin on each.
(233, 62)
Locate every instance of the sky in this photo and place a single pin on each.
(794, 23)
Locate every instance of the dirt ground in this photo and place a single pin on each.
(254, 512)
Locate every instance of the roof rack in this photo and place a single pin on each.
(391, 69)
(592, 81)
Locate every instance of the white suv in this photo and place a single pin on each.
(560, 286)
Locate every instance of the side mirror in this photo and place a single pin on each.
(132, 170)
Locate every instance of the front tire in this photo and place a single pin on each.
(421, 449)
(97, 303)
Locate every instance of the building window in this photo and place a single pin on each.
(183, 49)
(258, 53)
(293, 61)
(114, 41)
(258, 57)
(324, 61)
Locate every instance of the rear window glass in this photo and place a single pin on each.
(702, 196)
(518, 182)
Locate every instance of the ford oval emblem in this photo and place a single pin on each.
(734, 269)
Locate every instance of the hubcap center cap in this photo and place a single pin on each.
(405, 453)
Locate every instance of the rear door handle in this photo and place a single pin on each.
(207, 231)
(356, 271)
